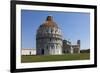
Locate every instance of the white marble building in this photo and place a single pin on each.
(28, 52)
(49, 38)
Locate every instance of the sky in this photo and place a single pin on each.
(74, 26)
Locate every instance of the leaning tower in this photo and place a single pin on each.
(49, 38)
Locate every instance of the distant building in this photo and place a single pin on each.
(28, 52)
(69, 48)
(66, 46)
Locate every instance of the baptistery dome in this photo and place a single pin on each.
(49, 23)
(49, 38)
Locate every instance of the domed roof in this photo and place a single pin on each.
(49, 22)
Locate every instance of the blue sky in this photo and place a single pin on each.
(74, 26)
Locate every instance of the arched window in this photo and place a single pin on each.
(52, 46)
(56, 46)
(51, 30)
(47, 31)
(47, 47)
(42, 51)
(50, 39)
(55, 31)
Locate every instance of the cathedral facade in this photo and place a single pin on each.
(69, 48)
(49, 38)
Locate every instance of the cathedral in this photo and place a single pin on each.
(49, 40)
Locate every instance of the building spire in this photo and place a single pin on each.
(49, 18)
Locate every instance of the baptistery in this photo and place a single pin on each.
(49, 38)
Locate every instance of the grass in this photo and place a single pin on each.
(45, 58)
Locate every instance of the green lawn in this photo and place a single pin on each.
(45, 58)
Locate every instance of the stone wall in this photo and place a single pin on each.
(28, 52)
